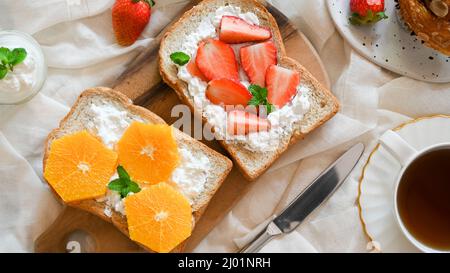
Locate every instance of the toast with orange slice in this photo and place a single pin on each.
(221, 48)
(104, 133)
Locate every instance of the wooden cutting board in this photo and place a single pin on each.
(78, 231)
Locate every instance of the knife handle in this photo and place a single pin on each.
(261, 239)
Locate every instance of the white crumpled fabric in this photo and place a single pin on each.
(79, 44)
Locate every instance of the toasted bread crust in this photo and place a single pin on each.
(97, 208)
(241, 156)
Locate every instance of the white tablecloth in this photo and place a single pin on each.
(80, 48)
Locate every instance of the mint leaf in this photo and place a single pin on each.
(8, 59)
(254, 89)
(263, 92)
(19, 55)
(116, 185)
(123, 185)
(254, 101)
(180, 58)
(134, 187)
(259, 97)
(270, 108)
(4, 55)
(122, 173)
(124, 192)
(3, 72)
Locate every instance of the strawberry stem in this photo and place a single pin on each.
(151, 3)
(370, 18)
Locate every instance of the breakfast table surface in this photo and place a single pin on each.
(81, 52)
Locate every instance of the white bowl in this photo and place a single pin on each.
(14, 39)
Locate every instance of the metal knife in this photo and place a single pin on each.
(308, 200)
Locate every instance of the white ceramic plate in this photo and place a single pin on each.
(378, 178)
(391, 45)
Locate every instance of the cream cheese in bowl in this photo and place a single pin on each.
(27, 78)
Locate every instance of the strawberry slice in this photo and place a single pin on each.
(227, 92)
(216, 60)
(281, 84)
(255, 60)
(234, 30)
(194, 71)
(240, 122)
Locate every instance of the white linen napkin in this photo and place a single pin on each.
(17, 14)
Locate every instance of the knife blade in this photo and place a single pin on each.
(309, 199)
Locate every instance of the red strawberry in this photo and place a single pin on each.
(234, 30)
(240, 122)
(216, 60)
(366, 11)
(129, 18)
(194, 71)
(281, 84)
(255, 60)
(227, 92)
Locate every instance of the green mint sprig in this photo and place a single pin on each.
(180, 58)
(9, 59)
(260, 97)
(123, 185)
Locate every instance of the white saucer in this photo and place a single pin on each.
(379, 175)
(390, 45)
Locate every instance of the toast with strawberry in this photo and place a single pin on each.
(233, 55)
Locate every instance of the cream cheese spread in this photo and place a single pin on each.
(282, 120)
(192, 173)
(109, 122)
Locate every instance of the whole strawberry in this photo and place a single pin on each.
(129, 18)
(366, 11)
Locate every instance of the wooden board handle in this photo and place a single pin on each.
(77, 231)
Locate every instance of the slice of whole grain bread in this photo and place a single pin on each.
(78, 118)
(323, 104)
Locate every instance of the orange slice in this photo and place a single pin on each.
(79, 167)
(159, 217)
(148, 152)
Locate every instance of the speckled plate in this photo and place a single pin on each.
(390, 45)
(376, 188)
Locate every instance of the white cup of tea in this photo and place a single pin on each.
(422, 192)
